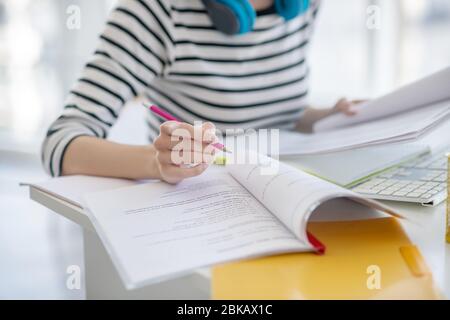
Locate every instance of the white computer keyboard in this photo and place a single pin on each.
(421, 180)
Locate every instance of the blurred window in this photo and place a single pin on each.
(349, 58)
(40, 57)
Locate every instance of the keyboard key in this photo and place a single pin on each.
(424, 187)
(386, 192)
(377, 180)
(401, 193)
(392, 188)
(386, 184)
(414, 195)
(422, 190)
(431, 184)
(366, 185)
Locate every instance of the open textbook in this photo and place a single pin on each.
(156, 231)
(410, 98)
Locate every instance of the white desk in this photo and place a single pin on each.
(102, 281)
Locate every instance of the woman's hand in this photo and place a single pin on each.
(345, 106)
(183, 150)
(311, 116)
(179, 152)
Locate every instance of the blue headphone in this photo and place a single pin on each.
(238, 16)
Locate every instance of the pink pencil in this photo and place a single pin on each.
(167, 116)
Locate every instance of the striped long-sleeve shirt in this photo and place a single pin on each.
(170, 52)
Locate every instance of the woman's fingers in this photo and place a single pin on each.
(174, 174)
(358, 101)
(185, 153)
(181, 148)
(204, 132)
(345, 106)
(181, 145)
(209, 132)
(165, 142)
(182, 157)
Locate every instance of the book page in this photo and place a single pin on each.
(156, 231)
(72, 188)
(290, 194)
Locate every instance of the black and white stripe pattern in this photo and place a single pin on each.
(169, 52)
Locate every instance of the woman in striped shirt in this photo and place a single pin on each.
(173, 53)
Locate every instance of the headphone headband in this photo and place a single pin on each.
(238, 16)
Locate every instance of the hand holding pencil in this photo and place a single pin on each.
(167, 116)
(183, 150)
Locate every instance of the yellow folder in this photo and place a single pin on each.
(364, 259)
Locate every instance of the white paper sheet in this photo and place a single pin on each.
(399, 128)
(423, 92)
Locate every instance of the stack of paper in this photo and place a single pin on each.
(427, 91)
(402, 115)
(402, 127)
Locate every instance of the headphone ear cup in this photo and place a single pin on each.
(250, 13)
(289, 9)
(231, 16)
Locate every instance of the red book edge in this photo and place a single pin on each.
(319, 246)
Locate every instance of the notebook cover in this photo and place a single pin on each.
(365, 259)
